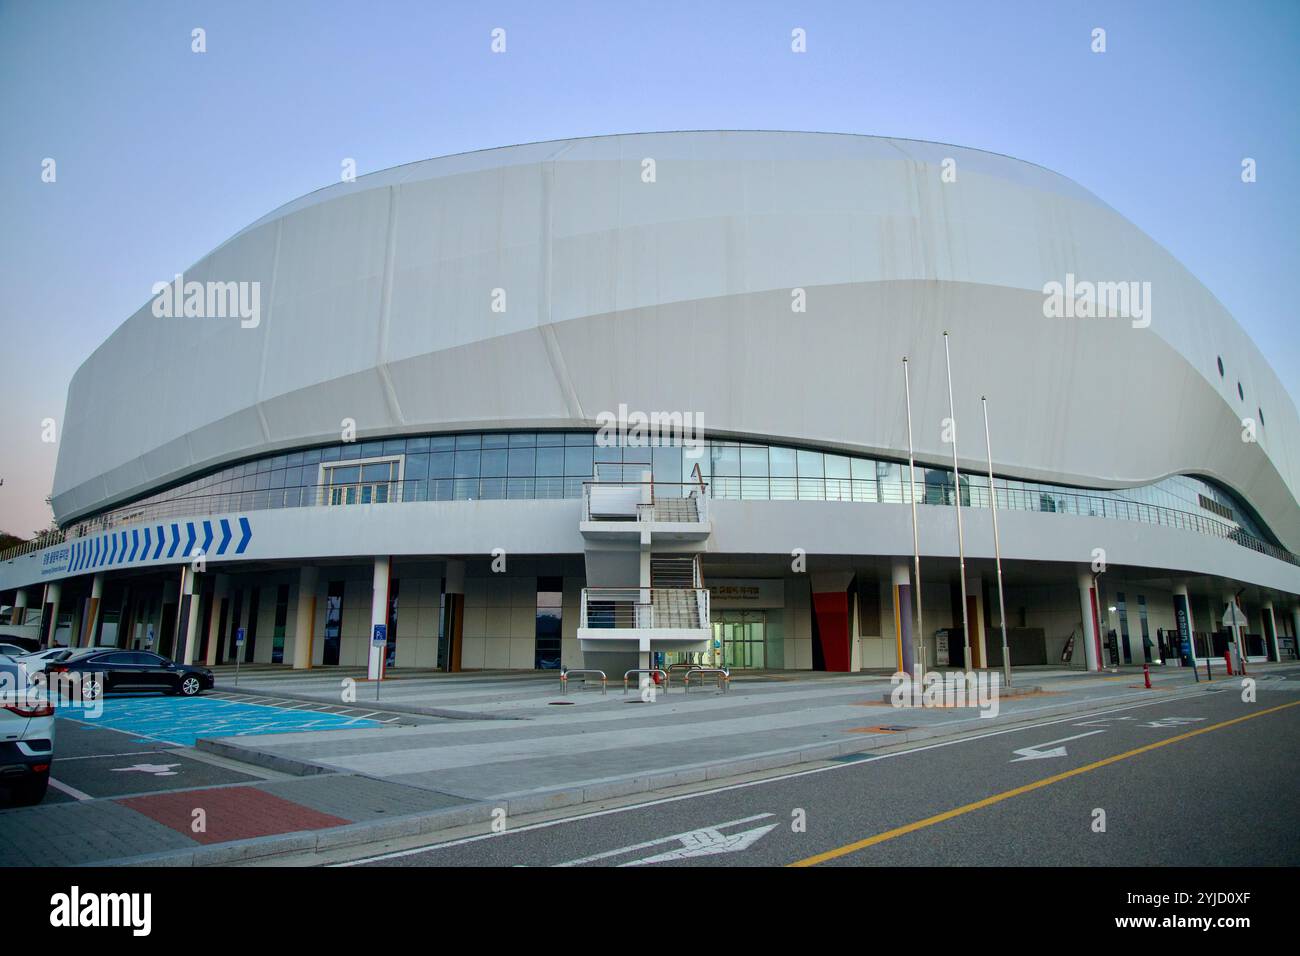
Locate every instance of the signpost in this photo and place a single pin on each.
(379, 640)
(1232, 620)
(239, 646)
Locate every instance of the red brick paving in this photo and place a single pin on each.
(233, 813)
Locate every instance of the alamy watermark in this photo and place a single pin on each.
(959, 689)
(208, 300)
(1083, 299)
(636, 429)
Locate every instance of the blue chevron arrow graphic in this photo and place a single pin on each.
(176, 539)
(225, 536)
(158, 550)
(190, 538)
(144, 551)
(247, 535)
(72, 565)
(207, 537)
(135, 543)
(112, 558)
(102, 551)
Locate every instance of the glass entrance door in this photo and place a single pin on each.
(742, 634)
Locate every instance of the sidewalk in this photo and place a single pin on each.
(354, 786)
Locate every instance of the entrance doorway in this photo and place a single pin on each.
(743, 635)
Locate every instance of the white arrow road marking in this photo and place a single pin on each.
(1100, 721)
(1171, 722)
(705, 841)
(1035, 753)
(157, 769)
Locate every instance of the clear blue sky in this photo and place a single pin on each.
(162, 154)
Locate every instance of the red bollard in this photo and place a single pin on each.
(1146, 675)
(1227, 657)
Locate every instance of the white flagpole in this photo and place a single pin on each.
(918, 638)
(961, 540)
(997, 548)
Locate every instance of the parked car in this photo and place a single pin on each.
(40, 660)
(103, 671)
(21, 637)
(12, 650)
(26, 735)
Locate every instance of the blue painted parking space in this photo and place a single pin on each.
(183, 720)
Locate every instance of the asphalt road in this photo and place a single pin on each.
(1204, 780)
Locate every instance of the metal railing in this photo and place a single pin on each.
(644, 670)
(627, 501)
(860, 490)
(721, 675)
(565, 674)
(641, 608)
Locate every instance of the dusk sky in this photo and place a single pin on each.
(162, 154)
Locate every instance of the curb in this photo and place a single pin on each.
(396, 708)
(370, 831)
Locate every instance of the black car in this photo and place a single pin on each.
(101, 671)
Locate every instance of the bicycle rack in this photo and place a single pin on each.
(645, 670)
(672, 668)
(564, 680)
(722, 675)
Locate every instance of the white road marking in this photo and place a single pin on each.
(157, 769)
(70, 791)
(1036, 753)
(545, 824)
(692, 839)
(1164, 722)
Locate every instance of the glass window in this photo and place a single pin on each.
(417, 466)
(837, 466)
(522, 462)
(753, 462)
(550, 438)
(442, 442)
(493, 463)
(578, 461)
(496, 441)
(394, 446)
(416, 445)
(466, 464)
(380, 471)
(370, 449)
(782, 462)
(440, 465)
(522, 439)
(468, 441)
(811, 464)
(726, 461)
(580, 438)
(550, 461)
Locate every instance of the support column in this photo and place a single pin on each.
(453, 622)
(50, 613)
(220, 587)
(1270, 631)
(1295, 626)
(378, 615)
(830, 602)
(92, 611)
(1183, 620)
(19, 614)
(188, 616)
(1091, 625)
(975, 616)
(904, 637)
(304, 622)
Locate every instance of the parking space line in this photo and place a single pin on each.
(70, 791)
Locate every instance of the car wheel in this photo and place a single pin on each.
(91, 689)
(31, 791)
(190, 685)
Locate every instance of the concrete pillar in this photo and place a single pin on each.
(904, 611)
(189, 611)
(830, 603)
(453, 623)
(19, 616)
(975, 617)
(304, 621)
(1181, 595)
(1270, 631)
(1091, 622)
(92, 610)
(220, 587)
(1295, 626)
(53, 591)
(378, 615)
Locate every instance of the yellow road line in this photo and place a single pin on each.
(1027, 788)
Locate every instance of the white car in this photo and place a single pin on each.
(12, 650)
(39, 660)
(26, 735)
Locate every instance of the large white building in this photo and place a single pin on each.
(400, 427)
